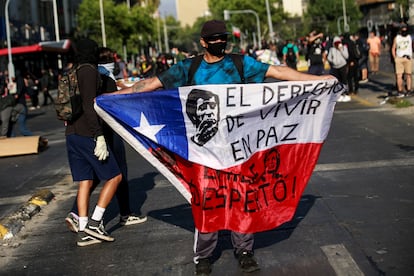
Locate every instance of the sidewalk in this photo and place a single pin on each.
(375, 93)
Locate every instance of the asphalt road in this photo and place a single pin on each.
(355, 216)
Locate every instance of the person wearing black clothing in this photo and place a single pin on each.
(363, 48)
(116, 144)
(316, 54)
(88, 155)
(45, 85)
(353, 68)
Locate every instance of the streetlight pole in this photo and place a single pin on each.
(227, 17)
(167, 47)
(55, 15)
(269, 21)
(346, 26)
(102, 23)
(10, 65)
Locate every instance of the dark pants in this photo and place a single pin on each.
(353, 77)
(34, 96)
(46, 96)
(316, 69)
(291, 64)
(205, 243)
(341, 74)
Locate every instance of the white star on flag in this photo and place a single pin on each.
(148, 130)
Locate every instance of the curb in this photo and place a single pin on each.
(12, 224)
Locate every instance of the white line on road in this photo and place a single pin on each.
(341, 260)
(364, 165)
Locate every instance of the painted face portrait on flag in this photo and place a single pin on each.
(202, 108)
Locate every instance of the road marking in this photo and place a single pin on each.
(341, 260)
(364, 165)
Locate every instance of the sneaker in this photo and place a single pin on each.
(72, 221)
(97, 230)
(400, 95)
(203, 267)
(85, 239)
(346, 98)
(384, 101)
(363, 81)
(247, 261)
(32, 108)
(340, 99)
(132, 219)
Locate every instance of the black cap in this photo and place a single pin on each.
(213, 28)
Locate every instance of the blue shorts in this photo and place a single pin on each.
(84, 165)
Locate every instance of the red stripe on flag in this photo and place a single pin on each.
(258, 195)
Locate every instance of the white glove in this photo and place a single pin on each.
(101, 150)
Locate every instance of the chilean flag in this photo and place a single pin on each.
(242, 154)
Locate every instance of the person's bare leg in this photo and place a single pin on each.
(408, 82)
(364, 73)
(108, 191)
(83, 197)
(399, 83)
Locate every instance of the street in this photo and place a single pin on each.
(355, 216)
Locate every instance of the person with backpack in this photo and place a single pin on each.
(290, 54)
(88, 154)
(116, 144)
(214, 66)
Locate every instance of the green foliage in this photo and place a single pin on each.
(324, 15)
(123, 26)
(135, 27)
(247, 21)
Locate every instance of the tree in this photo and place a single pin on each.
(247, 21)
(324, 16)
(123, 26)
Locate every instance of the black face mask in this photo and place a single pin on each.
(217, 49)
(404, 33)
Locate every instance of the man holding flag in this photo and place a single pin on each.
(218, 186)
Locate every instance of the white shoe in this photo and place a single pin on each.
(132, 219)
(346, 98)
(340, 99)
(384, 101)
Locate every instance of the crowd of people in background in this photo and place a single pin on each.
(349, 57)
(15, 93)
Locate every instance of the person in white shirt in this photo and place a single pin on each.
(402, 51)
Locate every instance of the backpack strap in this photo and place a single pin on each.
(196, 61)
(238, 62)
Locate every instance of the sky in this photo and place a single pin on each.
(167, 7)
